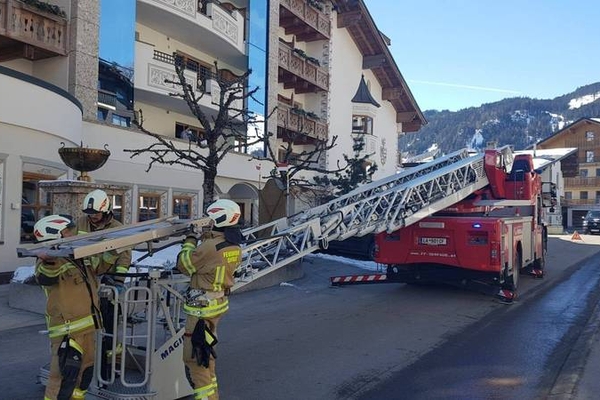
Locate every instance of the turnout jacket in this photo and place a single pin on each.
(210, 267)
(123, 259)
(72, 291)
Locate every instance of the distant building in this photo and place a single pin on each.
(581, 170)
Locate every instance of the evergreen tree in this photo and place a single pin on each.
(360, 170)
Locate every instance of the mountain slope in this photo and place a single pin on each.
(518, 121)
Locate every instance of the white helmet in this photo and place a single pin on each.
(95, 202)
(50, 227)
(224, 213)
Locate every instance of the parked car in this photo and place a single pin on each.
(591, 222)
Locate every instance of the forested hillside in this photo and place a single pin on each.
(518, 121)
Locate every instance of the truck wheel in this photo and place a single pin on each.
(512, 280)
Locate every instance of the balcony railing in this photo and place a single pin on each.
(43, 34)
(580, 182)
(580, 202)
(300, 74)
(226, 24)
(108, 98)
(289, 119)
(303, 19)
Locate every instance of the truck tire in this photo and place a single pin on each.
(516, 271)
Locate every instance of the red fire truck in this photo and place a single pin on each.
(483, 242)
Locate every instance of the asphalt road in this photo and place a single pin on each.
(306, 340)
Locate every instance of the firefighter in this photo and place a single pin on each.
(211, 266)
(99, 216)
(72, 313)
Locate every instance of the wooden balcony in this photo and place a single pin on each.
(579, 202)
(297, 127)
(26, 32)
(303, 19)
(295, 72)
(583, 182)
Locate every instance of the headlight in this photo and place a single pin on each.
(584, 223)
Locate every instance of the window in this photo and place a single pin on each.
(589, 136)
(583, 173)
(187, 132)
(182, 207)
(583, 195)
(120, 120)
(597, 196)
(597, 171)
(117, 202)
(149, 207)
(362, 124)
(35, 204)
(589, 156)
(568, 195)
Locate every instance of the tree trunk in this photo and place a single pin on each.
(208, 187)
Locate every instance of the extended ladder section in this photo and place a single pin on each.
(385, 205)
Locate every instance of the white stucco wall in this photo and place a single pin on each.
(345, 74)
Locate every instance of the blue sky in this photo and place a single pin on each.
(456, 54)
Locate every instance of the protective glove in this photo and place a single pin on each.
(69, 359)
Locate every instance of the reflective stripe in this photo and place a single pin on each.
(53, 273)
(186, 259)
(78, 394)
(121, 269)
(219, 278)
(75, 345)
(60, 330)
(204, 391)
(212, 310)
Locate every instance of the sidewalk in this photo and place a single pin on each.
(11, 318)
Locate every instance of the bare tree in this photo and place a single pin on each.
(223, 132)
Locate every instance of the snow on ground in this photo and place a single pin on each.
(166, 258)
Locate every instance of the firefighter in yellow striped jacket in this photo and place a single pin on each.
(98, 216)
(72, 313)
(211, 266)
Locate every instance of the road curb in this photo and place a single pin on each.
(566, 383)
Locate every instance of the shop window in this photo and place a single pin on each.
(182, 207)
(149, 207)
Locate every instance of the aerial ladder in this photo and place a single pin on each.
(147, 365)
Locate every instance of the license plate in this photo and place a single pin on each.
(431, 241)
